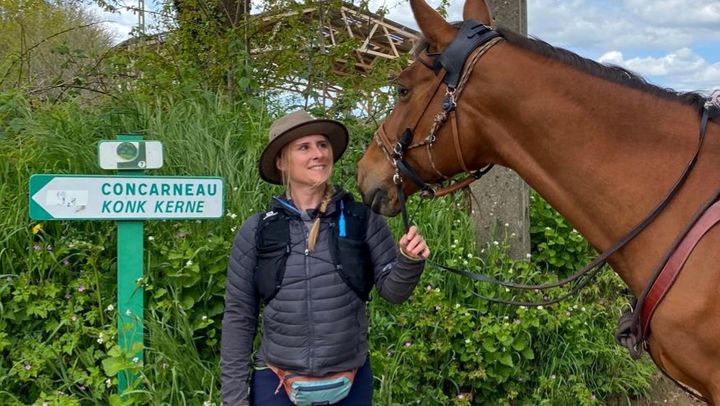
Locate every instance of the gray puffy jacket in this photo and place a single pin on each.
(315, 324)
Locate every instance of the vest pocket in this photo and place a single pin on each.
(357, 267)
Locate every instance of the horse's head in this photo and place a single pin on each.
(417, 142)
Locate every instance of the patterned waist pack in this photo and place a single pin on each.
(315, 390)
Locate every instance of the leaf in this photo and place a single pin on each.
(159, 293)
(489, 345)
(113, 365)
(528, 353)
(116, 400)
(506, 359)
(520, 343)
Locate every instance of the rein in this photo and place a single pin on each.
(475, 39)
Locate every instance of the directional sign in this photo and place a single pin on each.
(67, 197)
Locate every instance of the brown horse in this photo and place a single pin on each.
(599, 144)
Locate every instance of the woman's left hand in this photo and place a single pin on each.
(413, 245)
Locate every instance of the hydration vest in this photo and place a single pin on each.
(350, 253)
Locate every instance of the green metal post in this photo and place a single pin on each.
(130, 292)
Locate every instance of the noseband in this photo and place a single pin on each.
(473, 39)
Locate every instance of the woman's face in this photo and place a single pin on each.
(308, 160)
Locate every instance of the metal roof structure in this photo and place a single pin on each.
(380, 39)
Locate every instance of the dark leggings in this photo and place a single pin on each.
(265, 382)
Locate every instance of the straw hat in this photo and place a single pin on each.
(293, 126)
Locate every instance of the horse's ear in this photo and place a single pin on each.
(477, 10)
(435, 29)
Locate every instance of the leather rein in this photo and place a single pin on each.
(474, 39)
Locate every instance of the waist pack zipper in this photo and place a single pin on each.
(320, 387)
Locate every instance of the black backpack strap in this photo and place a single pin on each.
(272, 241)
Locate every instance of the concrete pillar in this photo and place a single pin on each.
(503, 213)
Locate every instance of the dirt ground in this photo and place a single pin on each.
(665, 392)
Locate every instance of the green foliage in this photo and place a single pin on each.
(447, 346)
(58, 310)
(268, 53)
(557, 245)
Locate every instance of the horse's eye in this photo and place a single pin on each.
(402, 91)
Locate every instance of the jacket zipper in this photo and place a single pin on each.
(308, 300)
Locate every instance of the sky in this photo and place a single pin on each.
(671, 43)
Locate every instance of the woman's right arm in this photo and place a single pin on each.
(240, 318)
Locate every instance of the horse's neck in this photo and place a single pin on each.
(602, 154)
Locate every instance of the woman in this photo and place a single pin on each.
(309, 263)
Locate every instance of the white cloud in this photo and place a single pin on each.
(677, 12)
(120, 23)
(595, 25)
(681, 69)
(658, 39)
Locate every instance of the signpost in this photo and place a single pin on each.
(87, 197)
(129, 199)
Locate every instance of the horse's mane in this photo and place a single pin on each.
(612, 73)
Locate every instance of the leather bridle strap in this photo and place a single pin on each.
(456, 141)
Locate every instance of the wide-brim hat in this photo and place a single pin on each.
(293, 126)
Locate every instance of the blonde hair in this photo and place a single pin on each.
(315, 229)
(284, 158)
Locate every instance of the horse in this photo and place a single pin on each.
(597, 142)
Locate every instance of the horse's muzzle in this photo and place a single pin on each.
(380, 202)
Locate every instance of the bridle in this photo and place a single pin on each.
(472, 41)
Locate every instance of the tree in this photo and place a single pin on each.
(50, 49)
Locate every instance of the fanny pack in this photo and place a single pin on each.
(314, 390)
